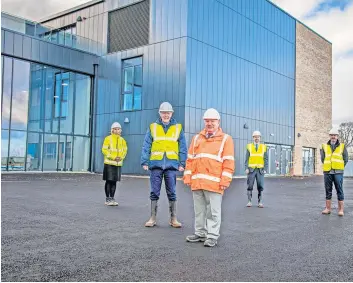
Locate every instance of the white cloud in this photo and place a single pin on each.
(336, 26)
(35, 9)
(297, 8)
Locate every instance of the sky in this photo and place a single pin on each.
(333, 19)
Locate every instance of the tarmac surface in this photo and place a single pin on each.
(55, 227)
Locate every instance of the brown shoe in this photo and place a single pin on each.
(173, 219)
(327, 210)
(152, 221)
(174, 222)
(340, 208)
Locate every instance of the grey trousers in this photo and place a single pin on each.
(208, 209)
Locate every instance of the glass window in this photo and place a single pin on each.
(132, 84)
(65, 148)
(34, 152)
(82, 104)
(20, 90)
(4, 149)
(81, 154)
(17, 151)
(49, 152)
(6, 93)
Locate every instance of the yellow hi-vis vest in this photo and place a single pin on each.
(333, 160)
(165, 142)
(114, 146)
(256, 158)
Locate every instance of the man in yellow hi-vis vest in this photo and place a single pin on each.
(164, 153)
(256, 163)
(334, 157)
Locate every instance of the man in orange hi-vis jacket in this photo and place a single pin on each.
(209, 171)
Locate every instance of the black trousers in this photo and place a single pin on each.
(110, 188)
(336, 179)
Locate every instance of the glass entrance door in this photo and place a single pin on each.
(272, 162)
(308, 161)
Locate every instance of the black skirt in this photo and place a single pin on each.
(111, 173)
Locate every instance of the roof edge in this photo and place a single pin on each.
(299, 21)
(71, 10)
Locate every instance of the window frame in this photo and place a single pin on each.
(132, 92)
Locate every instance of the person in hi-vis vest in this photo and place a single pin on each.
(114, 150)
(334, 157)
(164, 153)
(256, 164)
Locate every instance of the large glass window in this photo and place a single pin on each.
(20, 90)
(17, 154)
(4, 149)
(6, 93)
(44, 112)
(132, 84)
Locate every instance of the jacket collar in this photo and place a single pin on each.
(171, 122)
(218, 133)
(336, 144)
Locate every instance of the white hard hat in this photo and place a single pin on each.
(166, 107)
(115, 125)
(256, 133)
(211, 113)
(334, 131)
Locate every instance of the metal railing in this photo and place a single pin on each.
(63, 36)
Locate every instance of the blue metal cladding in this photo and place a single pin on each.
(241, 61)
(163, 80)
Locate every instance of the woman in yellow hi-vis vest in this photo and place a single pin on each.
(114, 150)
(334, 157)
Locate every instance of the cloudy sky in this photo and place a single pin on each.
(333, 19)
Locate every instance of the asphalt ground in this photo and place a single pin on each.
(55, 227)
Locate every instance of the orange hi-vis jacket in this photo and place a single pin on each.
(210, 162)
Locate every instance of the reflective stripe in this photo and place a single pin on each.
(222, 145)
(165, 139)
(257, 154)
(157, 153)
(228, 157)
(187, 172)
(256, 165)
(207, 155)
(190, 156)
(105, 146)
(227, 174)
(337, 160)
(193, 148)
(207, 177)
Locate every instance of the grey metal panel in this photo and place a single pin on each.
(2, 39)
(35, 49)
(18, 45)
(27, 47)
(9, 42)
(43, 51)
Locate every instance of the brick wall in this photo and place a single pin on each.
(313, 101)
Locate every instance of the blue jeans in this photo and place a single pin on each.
(156, 179)
(337, 179)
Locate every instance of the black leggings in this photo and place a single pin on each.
(110, 187)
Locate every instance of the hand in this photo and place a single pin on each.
(181, 169)
(188, 184)
(265, 172)
(117, 159)
(247, 171)
(223, 188)
(145, 167)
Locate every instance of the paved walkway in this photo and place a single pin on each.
(56, 228)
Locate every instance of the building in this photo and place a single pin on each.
(67, 78)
